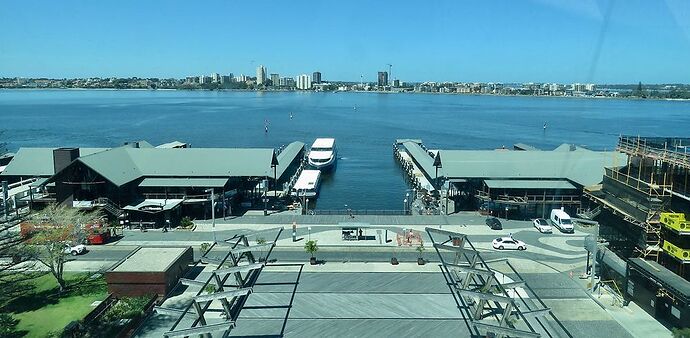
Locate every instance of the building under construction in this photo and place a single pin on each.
(642, 210)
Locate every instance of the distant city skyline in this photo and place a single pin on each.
(543, 41)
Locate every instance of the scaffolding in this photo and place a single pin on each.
(639, 193)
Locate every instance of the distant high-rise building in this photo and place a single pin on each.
(260, 75)
(303, 82)
(577, 87)
(204, 79)
(242, 78)
(316, 77)
(287, 82)
(383, 79)
(396, 83)
(275, 80)
(226, 79)
(215, 78)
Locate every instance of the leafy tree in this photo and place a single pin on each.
(681, 333)
(311, 248)
(639, 92)
(15, 266)
(420, 249)
(59, 226)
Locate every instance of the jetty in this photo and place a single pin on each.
(525, 183)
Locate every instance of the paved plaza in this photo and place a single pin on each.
(356, 291)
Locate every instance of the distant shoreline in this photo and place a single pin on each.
(338, 92)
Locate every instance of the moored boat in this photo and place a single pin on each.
(323, 153)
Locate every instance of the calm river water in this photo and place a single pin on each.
(364, 124)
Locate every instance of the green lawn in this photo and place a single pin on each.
(42, 311)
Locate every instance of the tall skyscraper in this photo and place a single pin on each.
(260, 75)
(316, 77)
(215, 77)
(275, 80)
(383, 79)
(303, 82)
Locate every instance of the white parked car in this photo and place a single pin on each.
(508, 243)
(542, 225)
(75, 249)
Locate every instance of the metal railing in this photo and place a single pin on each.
(175, 196)
(648, 188)
(360, 212)
(108, 205)
(526, 199)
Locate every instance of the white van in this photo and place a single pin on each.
(561, 220)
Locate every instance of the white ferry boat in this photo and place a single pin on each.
(323, 153)
(307, 184)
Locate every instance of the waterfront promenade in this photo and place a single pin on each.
(352, 272)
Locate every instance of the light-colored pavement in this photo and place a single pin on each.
(550, 265)
(638, 322)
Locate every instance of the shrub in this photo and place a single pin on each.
(127, 308)
(204, 247)
(420, 249)
(8, 325)
(186, 222)
(681, 333)
(210, 288)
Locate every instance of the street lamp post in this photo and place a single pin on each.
(213, 212)
(265, 197)
(594, 257)
(405, 206)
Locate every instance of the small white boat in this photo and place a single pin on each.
(307, 184)
(323, 153)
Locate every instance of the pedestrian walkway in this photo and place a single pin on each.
(283, 218)
(633, 318)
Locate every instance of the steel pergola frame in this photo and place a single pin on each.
(483, 295)
(238, 260)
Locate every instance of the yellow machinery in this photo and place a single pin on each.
(675, 221)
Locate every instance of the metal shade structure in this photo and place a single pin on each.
(240, 263)
(488, 306)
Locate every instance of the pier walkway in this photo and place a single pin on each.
(416, 162)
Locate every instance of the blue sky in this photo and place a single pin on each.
(491, 40)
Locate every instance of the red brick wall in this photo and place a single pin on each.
(132, 284)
